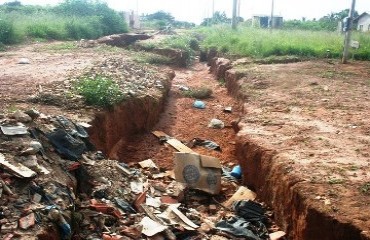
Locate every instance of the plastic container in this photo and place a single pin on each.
(236, 172)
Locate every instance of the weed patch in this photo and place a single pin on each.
(151, 58)
(365, 188)
(199, 93)
(99, 91)
(6, 32)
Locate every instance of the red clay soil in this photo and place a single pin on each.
(304, 144)
(184, 122)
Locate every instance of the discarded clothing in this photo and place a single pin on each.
(67, 145)
(72, 128)
(250, 211)
(238, 227)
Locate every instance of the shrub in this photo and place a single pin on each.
(6, 32)
(99, 91)
(43, 30)
(87, 28)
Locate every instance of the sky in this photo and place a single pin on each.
(196, 10)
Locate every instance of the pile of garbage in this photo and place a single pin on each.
(55, 185)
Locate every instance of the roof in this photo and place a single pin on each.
(361, 16)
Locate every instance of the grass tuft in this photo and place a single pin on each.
(99, 91)
(198, 93)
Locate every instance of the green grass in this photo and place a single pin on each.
(99, 91)
(21, 23)
(151, 58)
(261, 43)
(199, 93)
(59, 47)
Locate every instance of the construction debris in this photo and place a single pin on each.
(72, 190)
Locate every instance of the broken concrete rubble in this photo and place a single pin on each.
(80, 193)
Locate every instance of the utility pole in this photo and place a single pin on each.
(347, 38)
(213, 8)
(235, 5)
(272, 15)
(239, 3)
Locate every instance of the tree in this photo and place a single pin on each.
(160, 16)
(328, 22)
(13, 4)
(218, 18)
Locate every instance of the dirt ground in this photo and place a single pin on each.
(314, 113)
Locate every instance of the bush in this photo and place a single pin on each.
(99, 91)
(87, 28)
(72, 19)
(110, 22)
(6, 32)
(41, 30)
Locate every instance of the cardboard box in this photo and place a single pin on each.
(198, 171)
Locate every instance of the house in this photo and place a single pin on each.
(264, 21)
(363, 22)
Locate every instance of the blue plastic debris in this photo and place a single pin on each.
(236, 172)
(199, 104)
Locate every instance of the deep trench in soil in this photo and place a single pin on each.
(125, 134)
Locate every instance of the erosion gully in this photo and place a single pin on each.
(125, 134)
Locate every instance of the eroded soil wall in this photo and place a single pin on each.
(112, 129)
(266, 171)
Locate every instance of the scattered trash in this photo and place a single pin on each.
(243, 193)
(277, 235)
(116, 200)
(216, 123)
(199, 104)
(236, 172)
(206, 143)
(24, 61)
(147, 164)
(27, 221)
(14, 130)
(250, 211)
(198, 171)
(17, 169)
(179, 146)
(184, 88)
(66, 145)
(150, 227)
(238, 227)
(228, 110)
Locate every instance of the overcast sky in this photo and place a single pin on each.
(196, 10)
